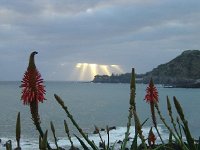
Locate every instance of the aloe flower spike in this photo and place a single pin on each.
(33, 91)
(152, 98)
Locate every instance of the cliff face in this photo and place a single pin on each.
(183, 69)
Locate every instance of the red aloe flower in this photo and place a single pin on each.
(152, 93)
(151, 138)
(152, 98)
(33, 88)
(32, 84)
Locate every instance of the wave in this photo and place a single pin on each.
(116, 135)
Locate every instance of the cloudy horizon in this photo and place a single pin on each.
(129, 33)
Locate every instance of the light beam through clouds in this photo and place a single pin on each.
(105, 69)
(83, 70)
(87, 71)
(117, 68)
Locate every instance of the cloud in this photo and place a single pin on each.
(129, 33)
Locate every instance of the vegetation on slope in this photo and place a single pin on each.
(183, 69)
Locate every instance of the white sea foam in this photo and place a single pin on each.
(115, 136)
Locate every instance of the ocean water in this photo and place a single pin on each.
(91, 104)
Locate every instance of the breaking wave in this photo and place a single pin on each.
(116, 136)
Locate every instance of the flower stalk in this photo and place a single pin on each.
(108, 133)
(54, 135)
(152, 98)
(68, 134)
(172, 119)
(139, 129)
(131, 109)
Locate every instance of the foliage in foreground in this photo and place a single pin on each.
(178, 128)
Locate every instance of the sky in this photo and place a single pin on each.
(126, 33)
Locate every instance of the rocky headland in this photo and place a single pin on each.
(182, 71)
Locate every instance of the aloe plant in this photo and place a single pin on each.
(185, 127)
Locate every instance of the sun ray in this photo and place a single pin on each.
(78, 65)
(87, 71)
(83, 70)
(93, 70)
(117, 68)
(105, 70)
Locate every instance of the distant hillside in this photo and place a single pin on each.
(182, 71)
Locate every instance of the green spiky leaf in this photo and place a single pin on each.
(18, 130)
(82, 143)
(44, 141)
(52, 127)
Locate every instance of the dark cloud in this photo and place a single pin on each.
(130, 33)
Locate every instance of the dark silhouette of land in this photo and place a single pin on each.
(183, 71)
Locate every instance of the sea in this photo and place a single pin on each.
(100, 104)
